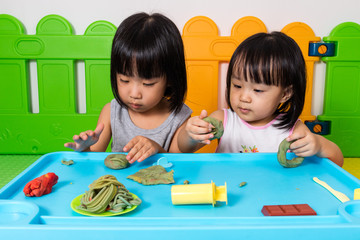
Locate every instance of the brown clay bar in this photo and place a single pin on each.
(287, 210)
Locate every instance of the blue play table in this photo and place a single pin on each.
(268, 183)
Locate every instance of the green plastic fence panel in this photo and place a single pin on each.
(98, 87)
(342, 89)
(13, 77)
(56, 78)
(56, 51)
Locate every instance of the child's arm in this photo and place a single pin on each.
(97, 140)
(309, 144)
(174, 146)
(196, 132)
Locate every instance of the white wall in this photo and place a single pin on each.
(321, 15)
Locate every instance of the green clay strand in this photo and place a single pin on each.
(218, 129)
(106, 193)
(116, 161)
(122, 201)
(97, 202)
(281, 156)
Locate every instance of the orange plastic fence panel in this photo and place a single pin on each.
(204, 50)
(303, 35)
(247, 26)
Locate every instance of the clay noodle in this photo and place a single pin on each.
(107, 194)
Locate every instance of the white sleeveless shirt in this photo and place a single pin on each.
(239, 136)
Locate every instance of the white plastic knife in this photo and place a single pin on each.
(339, 195)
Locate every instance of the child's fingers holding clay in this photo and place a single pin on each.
(196, 125)
(203, 123)
(70, 145)
(85, 139)
(84, 136)
(98, 130)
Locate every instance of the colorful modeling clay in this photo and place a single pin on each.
(242, 184)
(116, 161)
(41, 185)
(107, 194)
(287, 210)
(218, 129)
(68, 163)
(281, 156)
(153, 175)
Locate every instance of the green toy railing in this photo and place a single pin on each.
(56, 51)
(342, 89)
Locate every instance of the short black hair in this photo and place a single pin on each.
(272, 59)
(149, 46)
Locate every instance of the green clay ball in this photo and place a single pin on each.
(281, 156)
(218, 129)
(116, 161)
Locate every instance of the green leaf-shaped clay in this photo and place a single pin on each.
(218, 129)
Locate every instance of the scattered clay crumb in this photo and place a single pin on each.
(242, 184)
(186, 182)
(68, 163)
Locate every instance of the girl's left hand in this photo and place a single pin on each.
(139, 148)
(306, 143)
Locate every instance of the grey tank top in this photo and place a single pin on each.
(123, 129)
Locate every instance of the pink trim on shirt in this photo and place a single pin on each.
(292, 129)
(261, 127)
(253, 127)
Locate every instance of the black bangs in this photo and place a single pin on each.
(141, 54)
(260, 62)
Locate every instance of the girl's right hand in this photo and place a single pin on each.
(139, 148)
(198, 129)
(84, 140)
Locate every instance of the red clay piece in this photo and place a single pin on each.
(41, 185)
(287, 210)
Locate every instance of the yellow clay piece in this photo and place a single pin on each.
(198, 194)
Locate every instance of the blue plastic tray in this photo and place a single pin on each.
(268, 183)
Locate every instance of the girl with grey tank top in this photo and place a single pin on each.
(148, 80)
